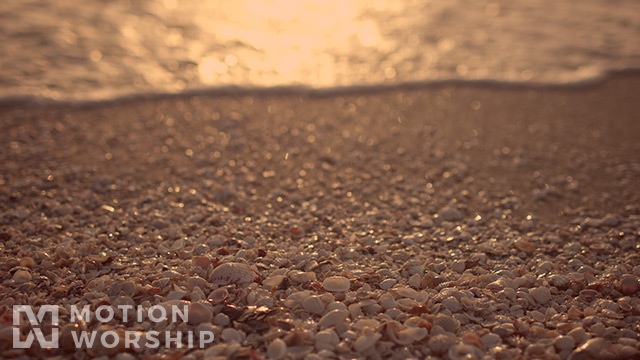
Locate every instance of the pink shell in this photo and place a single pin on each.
(233, 273)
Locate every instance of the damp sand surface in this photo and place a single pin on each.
(439, 222)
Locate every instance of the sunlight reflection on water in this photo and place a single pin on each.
(99, 49)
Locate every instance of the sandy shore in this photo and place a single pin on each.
(438, 222)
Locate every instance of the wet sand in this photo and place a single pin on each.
(488, 220)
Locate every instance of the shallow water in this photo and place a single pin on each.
(99, 49)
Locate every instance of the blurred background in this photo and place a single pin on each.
(100, 49)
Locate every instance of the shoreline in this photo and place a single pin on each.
(301, 90)
(495, 221)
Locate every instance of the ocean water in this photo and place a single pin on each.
(104, 49)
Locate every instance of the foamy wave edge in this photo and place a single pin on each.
(306, 91)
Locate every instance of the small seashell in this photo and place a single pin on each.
(367, 340)
(194, 281)
(524, 246)
(447, 323)
(199, 313)
(472, 339)
(336, 284)
(277, 349)
(387, 301)
(458, 266)
(66, 335)
(201, 261)
(406, 292)
(333, 318)
(579, 335)
(628, 352)
(387, 284)
(218, 296)
(327, 339)
(406, 304)
(559, 281)
(541, 295)
(221, 319)
(592, 349)
(22, 276)
(588, 294)
(404, 335)
(490, 340)
(452, 304)
(27, 262)
(564, 343)
(450, 213)
(504, 330)
(464, 352)
(273, 281)
(231, 335)
(313, 304)
(629, 286)
(441, 343)
(233, 273)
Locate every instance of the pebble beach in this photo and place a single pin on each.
(451, 221)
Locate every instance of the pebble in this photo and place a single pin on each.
(336, 284)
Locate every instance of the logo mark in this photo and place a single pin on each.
(34, 320)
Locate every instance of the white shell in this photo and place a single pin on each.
(233, 273)
(336, 283)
